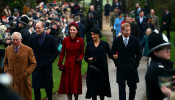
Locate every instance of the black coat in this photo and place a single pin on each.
(98, 82)
(45, 56)
(128, 59)
(25, 36)
(142, 27)
(135, 30)
(90, 24)
(166, 18)
(82, 29)
(157, 68)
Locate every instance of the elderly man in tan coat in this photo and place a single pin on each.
(20, 62)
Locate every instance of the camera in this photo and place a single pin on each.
(165, 81)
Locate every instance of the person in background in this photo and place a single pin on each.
(107, 9)
(129, 54)
(19, 62)
(7, 11)
(22, 28)
(149, 22)
(82, 28)
(112, 20)
(141, 22)
(144, 43)
(124, 20)
(45, 51)
(116, 4)
(134, 27)
(146, 8)
(73, 47)
(166, 22)
(160, 65)
(117, 24)
(97, 72)
(4, 41)
(137, 10)
(90, 24)
(155, 19)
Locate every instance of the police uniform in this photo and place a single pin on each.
(158, 67)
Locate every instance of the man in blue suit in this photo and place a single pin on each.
(81, 26)
(141, 21)
(45, 51)
(129, 54)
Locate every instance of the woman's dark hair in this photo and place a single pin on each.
(77, 27)
(96, 31)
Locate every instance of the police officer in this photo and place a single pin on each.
(160, 65)
(22, 28)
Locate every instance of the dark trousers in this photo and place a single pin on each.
(122, 91)
(167, 30)
(37, 93)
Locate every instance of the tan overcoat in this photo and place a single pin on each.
(17, 64)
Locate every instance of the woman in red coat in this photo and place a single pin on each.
(73, 51)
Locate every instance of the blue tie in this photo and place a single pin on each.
(16, 49)
(125, 42)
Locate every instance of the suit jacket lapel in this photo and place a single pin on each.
(21, 49)
(121, 42)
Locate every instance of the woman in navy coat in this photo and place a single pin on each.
(97, 72)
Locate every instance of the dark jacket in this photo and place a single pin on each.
(45, 56)
(82, 29)
(158, 67)
(128, 59)
(166, 18)
(98, 81)
(142, 26)
(90, 24)
(25, 36)
(135, 30)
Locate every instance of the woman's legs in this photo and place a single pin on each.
(69, 96)
(76, 96)
(94, 98)
(102, 97)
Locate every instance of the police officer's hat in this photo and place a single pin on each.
(24, 20)
(157, 40)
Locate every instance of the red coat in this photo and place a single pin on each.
(71, 82)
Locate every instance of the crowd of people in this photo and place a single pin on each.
(32, 38)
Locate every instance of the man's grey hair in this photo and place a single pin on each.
(17, 33)
(77, 18)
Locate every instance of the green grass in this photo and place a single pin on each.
(57, 74)
(172, 39)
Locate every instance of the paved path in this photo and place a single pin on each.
(140, 94)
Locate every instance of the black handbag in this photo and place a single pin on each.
(94, 68)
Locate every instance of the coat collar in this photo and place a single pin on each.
(21, 49)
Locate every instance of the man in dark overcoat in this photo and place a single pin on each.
(129, 55)
(22, 28)
(141, 22)
(45, 51)
(166, 22)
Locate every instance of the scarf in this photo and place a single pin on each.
(41, 38)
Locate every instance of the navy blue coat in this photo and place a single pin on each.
(142, 27)
(82, 29)
(45, 56)
(98, 82)
(128, 59)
